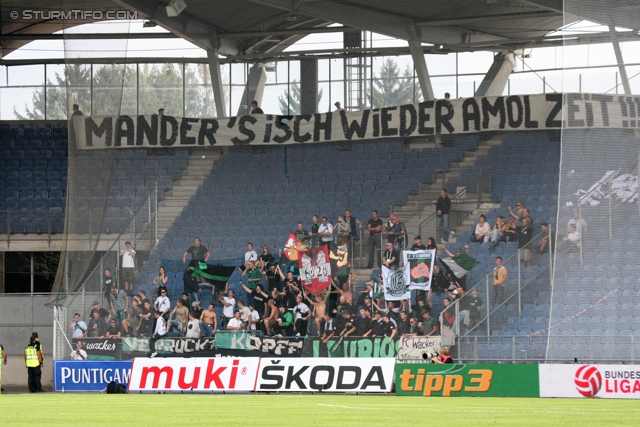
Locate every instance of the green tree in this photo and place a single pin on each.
(289, 101)
(71, 88)
(391, 88)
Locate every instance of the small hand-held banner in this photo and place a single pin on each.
(315, 269)
(420, 267)
(395, 283)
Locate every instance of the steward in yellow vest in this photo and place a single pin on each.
(33, 362)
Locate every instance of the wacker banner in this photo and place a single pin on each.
(363, 347)
(442, 116)
(71, 375)
(467, 380)
(609, 381)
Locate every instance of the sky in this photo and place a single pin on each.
(548, 65)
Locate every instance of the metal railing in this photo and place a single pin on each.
(15, 214)
(485, 283)
(460, 196)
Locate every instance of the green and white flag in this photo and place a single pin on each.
(460, 264)
(420, 267)
(395, 284)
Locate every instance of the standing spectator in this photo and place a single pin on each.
(443, 206)
(344, 230)
(315, 237)
(319, 309)
(182, 315)
(271, 316)
(274, 277)
(325, 231)
(131, 325)
(78, 353)
(101, 311)
(300, 233)
(254, 275)
(377, 327)
(447, 95)
(191, 289)
(234, 324)
(229, 303)
(255, 109)
(363, 323)
(500, 276)
(301, 315)
(186, 302)
(374, 227)
(245, 314)
(254, 318)
(208, 322)
(163, 305)
(354, 223)
(250, 255)
(524, 233)
(161, 111)
(119, 301)
(97, 326)
(396, 232)
(160, 281)
(159, 332)
(128, 267)
(146, 318)
(33, 361)
(76, 110)
(483, 231)
(77, 326)
(431, 244)
(390, 257)
(193, 327)
(259, 298)
(403, 324)
(418, 244)
(475, 305)
(337, 105)
(518, 214)
(195, 307)
(198, 252)
(291, 290)
(109, 282)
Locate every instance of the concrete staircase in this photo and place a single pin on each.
(421, 206)
(199, 165)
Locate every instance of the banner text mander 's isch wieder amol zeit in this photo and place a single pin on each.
(442, 116)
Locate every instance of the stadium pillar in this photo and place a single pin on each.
(420, 65)
(308, 86)
(497, 77)
(620, 60)
(254, 89)
(216, 82)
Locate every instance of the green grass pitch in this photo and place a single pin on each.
(308, 410)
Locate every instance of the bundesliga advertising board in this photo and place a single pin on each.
(261, 374)
(603, 381)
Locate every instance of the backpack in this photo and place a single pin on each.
(115, 388)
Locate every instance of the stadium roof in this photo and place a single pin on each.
(258, 30)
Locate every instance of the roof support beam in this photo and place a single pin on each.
(94, 36)
(620, 60)
(216, 83)
(371, 20)
(186, 26)
(420, 65)
(463, 21)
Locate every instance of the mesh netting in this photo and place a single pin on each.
(595, 288)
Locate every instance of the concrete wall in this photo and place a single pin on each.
(20, 315)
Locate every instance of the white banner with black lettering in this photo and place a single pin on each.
(442, 116)
(372, 375)
(417, 347)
